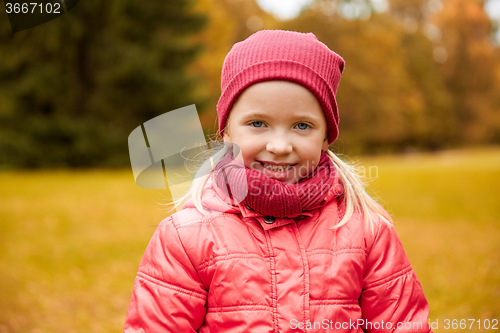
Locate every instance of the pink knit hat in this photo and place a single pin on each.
(282, 55)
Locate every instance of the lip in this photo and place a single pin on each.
(281, 176)
(276, 163)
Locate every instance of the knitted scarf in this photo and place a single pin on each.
(269, 196)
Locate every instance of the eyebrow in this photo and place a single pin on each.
(255, 114)
(259, 114)
(306, 116)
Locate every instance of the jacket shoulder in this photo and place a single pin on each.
(191, 216)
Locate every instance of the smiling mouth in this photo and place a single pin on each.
(276, 168)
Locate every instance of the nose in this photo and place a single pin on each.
(279, 145)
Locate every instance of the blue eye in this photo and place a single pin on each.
(302, 126)
(257, 123)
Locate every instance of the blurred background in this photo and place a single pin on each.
(419, 101)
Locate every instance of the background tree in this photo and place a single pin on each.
(382, 103)
(471, 70)
(229, 21)
(74, 88)
(398, 90)
(420, 74)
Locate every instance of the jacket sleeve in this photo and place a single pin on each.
(392, 299)
(168, 295)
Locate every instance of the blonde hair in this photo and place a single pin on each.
(355, 195)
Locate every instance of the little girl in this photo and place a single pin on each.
(280, 235)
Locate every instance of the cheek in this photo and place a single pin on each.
(314, 158)
(240, 159)
(310, 162)
(246, 153)
(312, 153)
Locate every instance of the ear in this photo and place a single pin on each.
(325, 144)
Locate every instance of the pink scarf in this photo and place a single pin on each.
(270, 196)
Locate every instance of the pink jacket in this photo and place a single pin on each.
(236, 271)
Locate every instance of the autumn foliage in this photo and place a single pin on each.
(419, 75)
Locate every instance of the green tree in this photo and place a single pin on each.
(72, 90)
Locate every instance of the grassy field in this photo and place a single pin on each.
(71, 242)
(446, 209)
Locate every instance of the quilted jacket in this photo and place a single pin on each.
(234, 270)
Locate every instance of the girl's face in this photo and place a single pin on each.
(280, 128)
